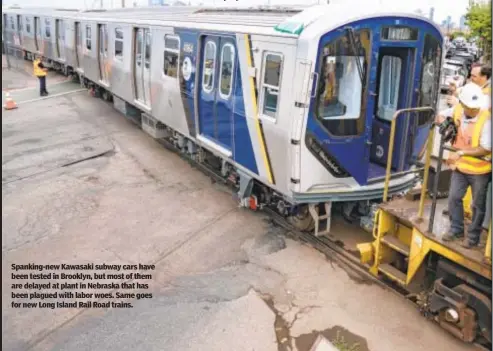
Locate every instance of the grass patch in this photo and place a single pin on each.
(342, 345)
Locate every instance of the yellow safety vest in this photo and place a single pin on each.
(38, 72)
(466, 164)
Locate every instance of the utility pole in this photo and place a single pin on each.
(123, 3)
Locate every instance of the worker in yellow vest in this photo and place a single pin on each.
(473, 123)
(481, 76)
(40, 72)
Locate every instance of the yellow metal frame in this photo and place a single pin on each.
(422, 245)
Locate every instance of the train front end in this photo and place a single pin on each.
(364, 72)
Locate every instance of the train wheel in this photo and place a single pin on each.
(302, 220)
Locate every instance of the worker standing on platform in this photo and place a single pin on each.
(40, 72)
(473, 122)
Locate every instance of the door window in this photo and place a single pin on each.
(47, 28)
(339, 105)
(227, 69)
(209, 66)
(271, 83)
(147, 61)
(119, 44)
(88, 37)
(138, 48)
(171, 56)
(19, 23)
(28, 25)
(431, 63)
(389, 83)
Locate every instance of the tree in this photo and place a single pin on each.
(478, 18)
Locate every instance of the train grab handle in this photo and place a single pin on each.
(396, 115)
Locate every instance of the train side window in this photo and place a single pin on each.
(339, 105)
(119, 44)
(147, 62)
(12, 24)
(430, 79)
(78, 33)
(171, 55)
(88, 37)
(47, 28)
(388, 86)
(271, 82)
(28, 25)
(227, 69)
(209, 66)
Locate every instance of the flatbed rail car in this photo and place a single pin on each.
(292, 104)
(450, 283)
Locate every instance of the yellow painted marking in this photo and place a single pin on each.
(255, 112)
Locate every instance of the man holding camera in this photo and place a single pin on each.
(472, 120)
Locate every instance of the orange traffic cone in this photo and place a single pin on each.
(9, 102)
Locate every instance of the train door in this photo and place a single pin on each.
(60, 39)
(216, 85)
(19, 30)
(78, 43)
(37, 33)
(103, 59)
(393, 90)
(142, 65)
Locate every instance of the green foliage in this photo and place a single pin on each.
(458, 34)
(478, 19)
(342, 345)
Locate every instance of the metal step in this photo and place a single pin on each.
(396, 244)
(393, 273)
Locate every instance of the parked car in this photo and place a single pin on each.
(452, 74)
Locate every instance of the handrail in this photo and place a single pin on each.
(391, 143)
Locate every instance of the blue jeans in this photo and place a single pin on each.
(458, 188)
(42, 85)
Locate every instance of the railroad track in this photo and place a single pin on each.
(324, 245)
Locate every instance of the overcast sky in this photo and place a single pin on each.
(443, 8)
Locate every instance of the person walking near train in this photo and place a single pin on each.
(40, 72)
(473, 122)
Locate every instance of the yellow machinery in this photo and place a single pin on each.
(451, 284)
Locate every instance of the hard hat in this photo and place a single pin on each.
(471, 96)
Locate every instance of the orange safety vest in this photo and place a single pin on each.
(469, 137)
(38, 72)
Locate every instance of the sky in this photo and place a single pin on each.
(443, 8)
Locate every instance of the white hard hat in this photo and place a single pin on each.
(471, 96)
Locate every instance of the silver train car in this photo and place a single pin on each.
(292, 105)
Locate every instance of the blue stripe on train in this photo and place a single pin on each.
(242, 148)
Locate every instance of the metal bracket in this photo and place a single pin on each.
(314, 210)
(246, 185)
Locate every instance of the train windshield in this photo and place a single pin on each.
(341, 92)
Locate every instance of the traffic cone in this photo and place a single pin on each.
(9, 102)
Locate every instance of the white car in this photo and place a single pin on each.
(452, 74)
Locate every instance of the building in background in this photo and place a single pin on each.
(432, 13)
(462, 23)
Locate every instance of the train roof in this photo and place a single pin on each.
(272, 20)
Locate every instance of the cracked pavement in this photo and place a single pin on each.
(81, 184)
